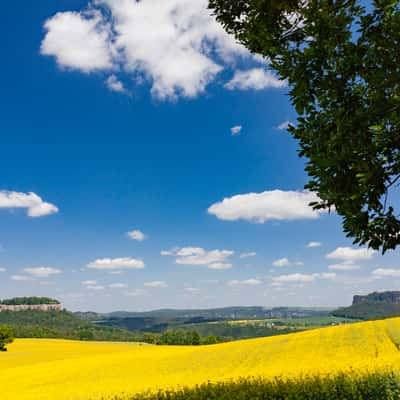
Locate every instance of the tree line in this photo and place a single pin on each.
(28, 301)
(6, 336)
(65, 325)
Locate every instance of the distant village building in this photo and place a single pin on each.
(26, 307)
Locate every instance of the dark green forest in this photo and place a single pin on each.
(31, 301)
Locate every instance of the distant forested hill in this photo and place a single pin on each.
(256, 321)
(59, 324)
(159, 320)
(375, 305)
(28, 301)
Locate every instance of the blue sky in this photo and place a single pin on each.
(111, 126)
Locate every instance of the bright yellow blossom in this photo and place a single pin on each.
(41, 369)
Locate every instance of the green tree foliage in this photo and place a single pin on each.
(6, 336)
(374, 386)
(341, 61)
(66, 325)
(229, 331)
(60, 324)
(210, 340)
(368, 311)
(183, 338)
(31, 301)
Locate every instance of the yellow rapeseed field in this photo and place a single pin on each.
(38, 369)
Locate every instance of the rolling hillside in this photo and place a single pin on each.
(59, 369)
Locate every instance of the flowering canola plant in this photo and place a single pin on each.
(47, 369)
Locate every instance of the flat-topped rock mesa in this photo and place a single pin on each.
(376, 297)
(30, 304)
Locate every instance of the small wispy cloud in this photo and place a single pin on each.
(386, 273)
(220, 266)
(192, 290)
(259, 208)
(213, 259)
(236, 130)
(115, 85)
(344, 266)
(21, 278)
(284, 126)
(249, 254)
(118, 285)
(34, 204)
(303, 278)
(156, 284)
(311, 245)
(245, 282)
(285, 262)
(254, 79)
(42, 272)
(116, 264)
(137, 293)
(137, 235)
(95, 287)
(350, 254)
(89, 283)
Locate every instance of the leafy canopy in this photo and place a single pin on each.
(17, 301)
(6, 336)
(342, 63)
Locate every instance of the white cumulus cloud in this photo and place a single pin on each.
(192, 290)
(327, 275)
(117, 285)
(137, 235)
(167, 252)
(213, 259)
(235, 130)
(344, 266)
(95, 287)
(311, 245)
(137, 293)
(294, 278)
(303, 278)
(42, 272)
(79, 40)
(176, 45)
(3, 269)
(89, 283)
(21, 278)
(245, 282)
(156, 284)
(269, 205)
(386, 273)
(34, 205)
(116, 264)
(220, 266)
(350, 254)
(115, 85)
(249, 254)
(256, 78)
(285, 262)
